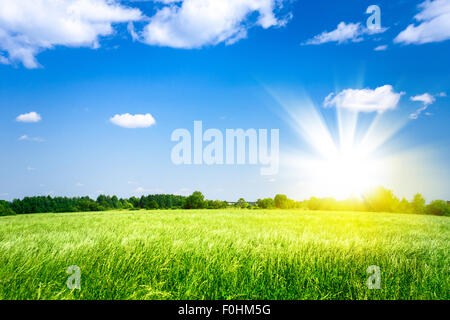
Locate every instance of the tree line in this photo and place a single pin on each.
(43, 204)
(377, 200)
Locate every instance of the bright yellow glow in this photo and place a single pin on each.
(345, 174)
(345, 158)
(338, 166)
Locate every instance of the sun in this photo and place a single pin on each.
(348, 173)
(336, 161)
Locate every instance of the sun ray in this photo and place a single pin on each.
(340, 166)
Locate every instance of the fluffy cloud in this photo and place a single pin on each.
(27, 138)
(196, 23)
(133, 121)
(351, 32)
(29, 117)
(434, 24)
(365, 100)
(28, 27)
(427, 100)
(381, 48)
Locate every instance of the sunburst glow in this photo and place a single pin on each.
(341, 164)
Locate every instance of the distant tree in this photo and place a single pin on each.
(313, 203)
(152, 205)
(115, 202)
(404, 206)
(266, 203)
(438, 208)
(241, 203)
(5, 209)
(125, 204)
(328, 204)
(281, 201)
(104, 201)
(195, 201)
(135, 202)
(215, 204)
(381, 199)
(418, 204)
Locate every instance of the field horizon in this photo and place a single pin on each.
(224, 254)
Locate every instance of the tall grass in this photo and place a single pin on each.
(224, 254)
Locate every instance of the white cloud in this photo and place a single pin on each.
(27, 138)
(79, 184)
(131, 121)
(427, 99)
(29, 117)
(381, 48)
(434, 25)
(365, 100)
(196, 23)
(351, 32)
(28, 27)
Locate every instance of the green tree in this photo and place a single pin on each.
(314, 203)
(152, 205)
(195, 201)
(281, 201)
(241, 203)
(438, 208)
(5, 209)
(381, 199)
(266, 203)
(404, 206)
(418, 204)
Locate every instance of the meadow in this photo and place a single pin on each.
(224, 254)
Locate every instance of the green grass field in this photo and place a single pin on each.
(224, 254)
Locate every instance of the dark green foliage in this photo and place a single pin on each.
(5, 209)
(241, 203)
(266, 203)
(57, 204)
(163, 201)
(195, 201)
(418, 204)
(438, 208)
(377, 200)
(215, 204)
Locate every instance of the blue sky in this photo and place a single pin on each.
(248, 75)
